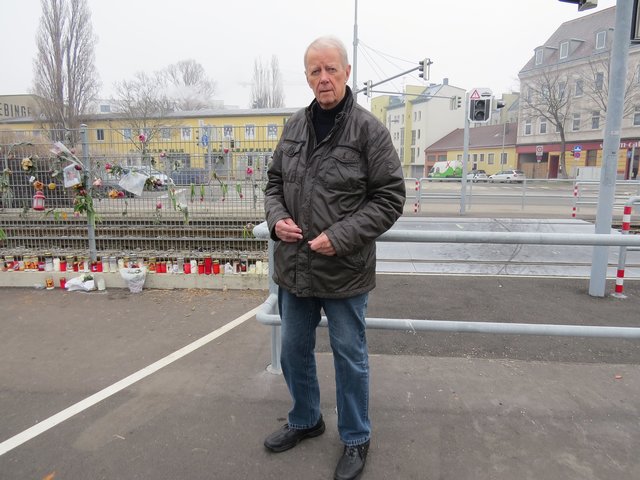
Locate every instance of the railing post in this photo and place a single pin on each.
(262, 231)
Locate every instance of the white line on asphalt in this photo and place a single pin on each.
(82, 405)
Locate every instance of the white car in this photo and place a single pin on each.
(477, 176)
(508, 176)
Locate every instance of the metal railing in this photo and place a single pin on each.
(577, 193)
(268, 314)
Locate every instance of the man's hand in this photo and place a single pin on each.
(321, 244)
(287, 230)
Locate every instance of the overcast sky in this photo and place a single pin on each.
(474, 43)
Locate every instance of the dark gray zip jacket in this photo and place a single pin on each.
(350, 186)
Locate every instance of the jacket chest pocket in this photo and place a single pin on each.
(343, 170)
(291, 160)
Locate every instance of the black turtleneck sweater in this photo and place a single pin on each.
(324, 120)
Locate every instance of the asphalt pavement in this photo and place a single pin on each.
(173, 384)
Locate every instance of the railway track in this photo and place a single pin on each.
(133, 234)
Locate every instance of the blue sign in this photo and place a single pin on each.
(205, 140)
(577, 149)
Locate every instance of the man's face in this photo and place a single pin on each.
(326, 76)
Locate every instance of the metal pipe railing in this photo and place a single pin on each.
(268, 314)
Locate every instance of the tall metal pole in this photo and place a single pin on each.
(355, 51)
(611, 144)
(465, 156)
(91, 220)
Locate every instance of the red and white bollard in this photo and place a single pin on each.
(622, 256)
(416, 205)
(575, 201)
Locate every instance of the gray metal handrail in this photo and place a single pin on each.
(269, 315)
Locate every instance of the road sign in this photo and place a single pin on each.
(539, 150)
(478, 93)
(577, 149)
(205, 140)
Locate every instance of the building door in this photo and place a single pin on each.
(554, 161)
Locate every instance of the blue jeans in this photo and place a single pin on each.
(346, 318)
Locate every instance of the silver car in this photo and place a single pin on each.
(508, 176)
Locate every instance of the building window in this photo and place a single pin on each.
(185, 133)
(475, 158)
(272, 131)
(539, 56)
(413, 137)
(575, 125)
(491, 158)
(601, 40)
(592, 156)
(100, 134)
(105, 108)
(481, 157)
(595, 120)
(165, 133)
(503, 158)
(636, 116)
(579, 88)
(250, 132)
(562, 87)
(228, 131)
(599, 80)
(564, 50)
(126, 133)
(413, 156)
(459, 157)
(418, 134)
(543, 125)
(527, 126)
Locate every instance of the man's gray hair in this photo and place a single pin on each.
(328, 42)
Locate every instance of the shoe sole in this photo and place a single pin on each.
(311, 434)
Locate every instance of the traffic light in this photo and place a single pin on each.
(456, 102)
(423, 68)
(368, 85)
(480, 110)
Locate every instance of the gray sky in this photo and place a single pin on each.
(473, 43)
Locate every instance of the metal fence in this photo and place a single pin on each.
(202, 192)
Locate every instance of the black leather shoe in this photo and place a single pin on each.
(352, 462)
(286, 438)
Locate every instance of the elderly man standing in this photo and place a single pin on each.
(335, 184)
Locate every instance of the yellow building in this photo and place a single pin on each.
(492, 148)
(196, 139)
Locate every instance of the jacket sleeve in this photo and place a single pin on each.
(385, 196)
(274, 204)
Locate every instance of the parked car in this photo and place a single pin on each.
(477, 176)
(508, 176)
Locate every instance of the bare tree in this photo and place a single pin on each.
(596, 85)
(266, 90)
(65, 77)
(548, 97)
(189, 86)
(144, 106)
